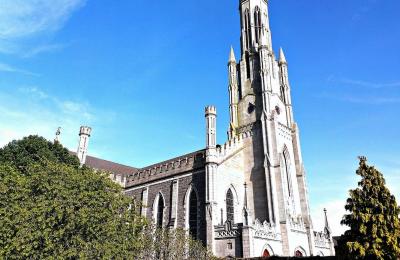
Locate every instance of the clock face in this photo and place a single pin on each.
(278, 110)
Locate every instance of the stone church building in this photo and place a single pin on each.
(246, 197)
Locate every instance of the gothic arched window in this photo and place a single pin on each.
(193, 210)
(266, 253)
(247, 27)
(286, 172)
(160, 211)
(257, 23)
(230, 211)
(283, 94)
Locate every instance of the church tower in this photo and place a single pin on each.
(263, 136)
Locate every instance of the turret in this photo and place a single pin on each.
(233, 94)
(210, 171)
(285, 87)
(84, 135)
(283, 68)
(211, 127)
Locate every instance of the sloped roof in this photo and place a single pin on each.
(105, 165)
(100, 164)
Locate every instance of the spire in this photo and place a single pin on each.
(282, 58)
(327, 228)
(232, 56)
(245, 196)
(246, 214)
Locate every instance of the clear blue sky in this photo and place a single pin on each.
(140, 73)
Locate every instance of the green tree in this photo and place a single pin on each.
(35, 149)
(51, 208)
(373, 219)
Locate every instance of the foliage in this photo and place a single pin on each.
(35, 149)
(373, 220)
(66, 212)
(171, 244)
(52, 208)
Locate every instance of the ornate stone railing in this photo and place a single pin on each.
(227, 231)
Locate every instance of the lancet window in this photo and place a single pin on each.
(257, 23)
(247, 28)
(230, 210)
(160, 211)
(193, 214)
(286, 172)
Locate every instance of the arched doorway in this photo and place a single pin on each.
(298, 253)
(266, 253)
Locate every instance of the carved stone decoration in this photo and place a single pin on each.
(265, 230)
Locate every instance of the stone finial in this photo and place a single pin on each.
(282, 58)
(245, 195)
(58, 133)
(327, 228)
(232, 58)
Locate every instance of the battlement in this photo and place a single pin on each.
(210, 110)
(85, 130)
(164, 169)
(232, 145)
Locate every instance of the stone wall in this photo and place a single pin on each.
(187, 180)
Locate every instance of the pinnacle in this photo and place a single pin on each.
(282, 58)
(232, 56)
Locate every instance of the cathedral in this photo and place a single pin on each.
(246, 197)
